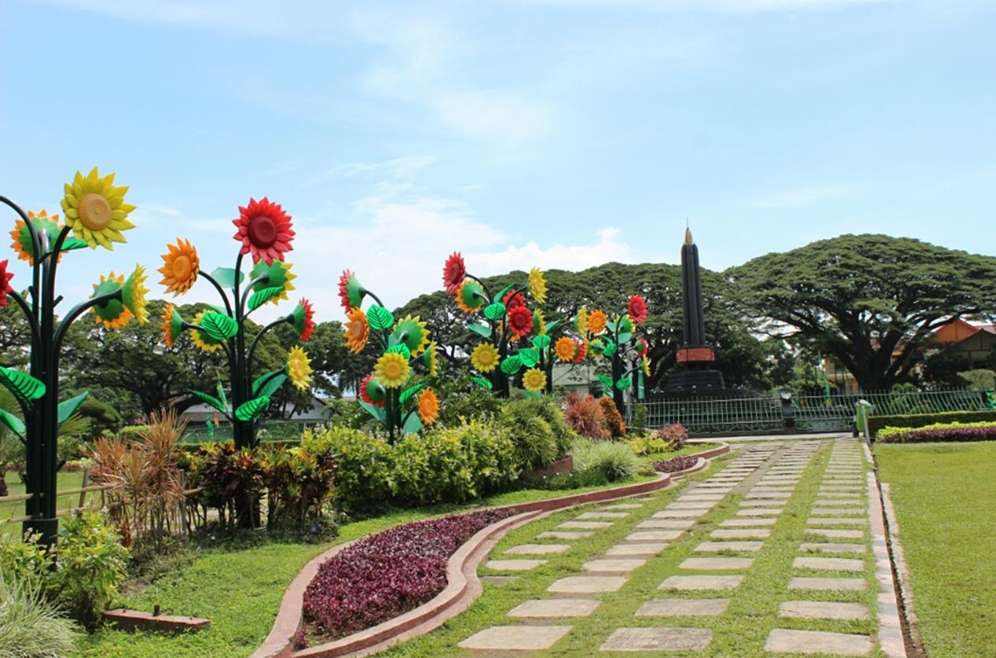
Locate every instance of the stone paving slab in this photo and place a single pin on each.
(692, 505)
(654, 535)
(748, 523)
(538, 549)
(829, 564)
(596, 516)
(741, 533)
(761, 511)
(817, 642)
(717, 563)
(584, 525)
(836, 534)
(782, 495)
(669, 524)
(683, 608)
(702, 497)
(623, 506)
(647, 548)
(556, 534)
(718, 546)
(829, 584)
(515, 638)
(513, 565)
(832, 548)
(837, 520)
(822, 610)
(555, 608)
(587, 584)
(678, 514)
(695, 583)
(605, 565)
(658, 639)
(838, 510)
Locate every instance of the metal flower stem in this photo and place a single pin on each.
(41, 416)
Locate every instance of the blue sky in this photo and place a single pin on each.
(558, 133)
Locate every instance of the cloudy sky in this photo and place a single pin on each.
(557, 133)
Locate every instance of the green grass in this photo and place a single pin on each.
(741, 631)
(67, 480)
(943, 495)
(239, 589)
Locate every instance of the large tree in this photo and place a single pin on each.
(869, 301)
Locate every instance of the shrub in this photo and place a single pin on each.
(980, 379)
(299, 484)
(674, 435)
(389, 573)
(876, 423)
(614, 423)
(231, 481)
(535, 442)
(984, 431)
(491, 453)
(611, 461)
(584, 415)
(432, 468)
(364, 466)
(25, 561)
(676, 464)
(463, 400)
(30, 625)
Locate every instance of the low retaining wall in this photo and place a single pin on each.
(462, 586)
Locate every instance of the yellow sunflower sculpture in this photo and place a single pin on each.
(180, 267)
(133, 295)
(392, 370)
(299, 368)
(96, 210)
(582, 321)
(428, 406)
(200, 339)
(534, 380)
(431, 359)
(484, 358)
(357, 329)
(537, 285)
(112, 314)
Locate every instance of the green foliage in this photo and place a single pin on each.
(231, 481)
(31, 626)
(461, 399)
(432, 469)
(364, 466)
(876, 423)
(980, 431)
(299, 484)
(549, 410)
(536, 442)
(610, 461)
(25, 561)
(979, 380)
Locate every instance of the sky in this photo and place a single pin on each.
(549, 133)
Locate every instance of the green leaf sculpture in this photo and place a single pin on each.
(482, 330)
(482, 382)
(68, 407)
(260, 297)
(529, 356)
(252, 409)
(225, 276)
(413, 424)
(606, 382)
(495, 311)
(407, 394)
(377, 412)
(218, 327)
(211, 401)
(624, 382)
(269, 383)
(511, 365)
(13, 423)
(25, 387)
(379, 318)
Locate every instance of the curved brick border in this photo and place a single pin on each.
(462, 588)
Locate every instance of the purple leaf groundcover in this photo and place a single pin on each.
(676, 464)
(389, 573)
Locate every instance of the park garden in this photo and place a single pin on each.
(127, 531)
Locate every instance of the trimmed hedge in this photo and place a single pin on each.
(876, 423)
(940, 432)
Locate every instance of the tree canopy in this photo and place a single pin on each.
(870, 301)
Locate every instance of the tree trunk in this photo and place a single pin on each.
(3, 481)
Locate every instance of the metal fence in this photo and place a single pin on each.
(809, 413)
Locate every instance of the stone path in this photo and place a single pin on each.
(823, 598)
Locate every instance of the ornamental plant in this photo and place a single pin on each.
(96, 214)
(615, 339)
(396, 393)
(265, 233)
(514, 335)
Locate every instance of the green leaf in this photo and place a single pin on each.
(211, 401)
(21, 384)
(407, 394)
(379, 318)
(551, 326)
(494, 311)
(529, 356)
(401, 349)
(13, 423)
(511, 364)
(606, 382)
(221, 394)
(260, 297)
(376, 412)
(219, 327)
(71, 244)
(541, 342)
(413, 424)
(68, 407)
(610, 347)
(250, 410)
(483, 382)
(504, 291)
(624, 383)
(225, 276)
(269, 383)
(612, 324)
(625, 338)
(532, 395)
(482, 330)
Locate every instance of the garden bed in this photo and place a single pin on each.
(939, 433)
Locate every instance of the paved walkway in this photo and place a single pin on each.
(815, 582)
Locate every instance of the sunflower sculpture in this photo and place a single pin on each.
(396, 393)
(513, 337)
(96, 214)
(265, 234)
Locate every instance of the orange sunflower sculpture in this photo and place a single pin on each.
(357, 330)
(180, 267)
(597, 321)
(566, 349)
(428, 406)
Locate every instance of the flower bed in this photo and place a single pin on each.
(676, 464)
(940, 432)
(388, 574)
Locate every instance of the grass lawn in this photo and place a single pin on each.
(944, 495)
(741, 631)
(67, 480)
(239, 590)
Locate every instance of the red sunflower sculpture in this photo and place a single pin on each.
(454, 272)
(520, 321)
(637, 309)
(264, 230)
(513, 299)
(5, 288)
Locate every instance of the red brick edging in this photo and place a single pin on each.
(462, 586)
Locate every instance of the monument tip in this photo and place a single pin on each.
(688, 236)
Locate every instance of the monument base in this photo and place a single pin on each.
(694, 381)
